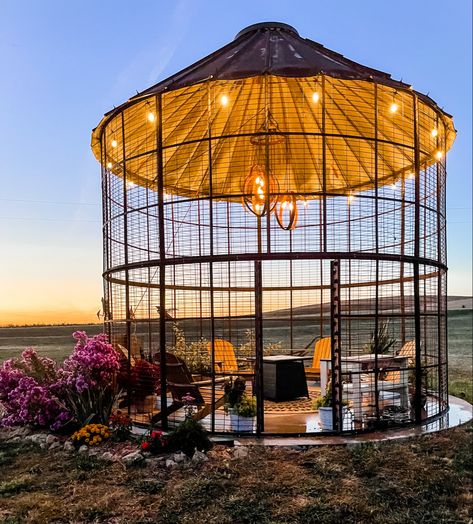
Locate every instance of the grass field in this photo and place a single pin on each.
(57, 342)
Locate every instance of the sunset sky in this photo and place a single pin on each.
(66, 63)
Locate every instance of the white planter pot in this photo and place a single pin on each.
(326, 418)
(242, 424)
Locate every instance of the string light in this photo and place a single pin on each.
(315, 97)
(114, 143)
(394, 107)
(224, 100)
(350, 199)
(109, 165)
(151, 117)
(411, 175)
(434, 132)
(130, 185)
(439, 155)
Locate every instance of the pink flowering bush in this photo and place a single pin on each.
(26, 392)
(35, 391)
(87, 379)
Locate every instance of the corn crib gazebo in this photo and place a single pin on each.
(276, 212)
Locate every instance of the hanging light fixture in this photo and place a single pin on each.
(287, 205)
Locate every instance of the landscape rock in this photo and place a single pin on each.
(37, 438)
(55, 445)
(108, 456)
(170, 463)
(69, 446)
(132, 459)
(50, 439)
(83, 449)
(179, 457)
(240, 452)
(198, 456)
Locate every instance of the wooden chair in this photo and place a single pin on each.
(225, 358)
(180, 383)
(322, 349)
(408, 350)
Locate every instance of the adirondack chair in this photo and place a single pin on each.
(322, 349)
(180, 384)
(225, 358)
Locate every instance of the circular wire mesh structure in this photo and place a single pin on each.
(276, 212)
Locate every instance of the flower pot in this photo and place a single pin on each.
(326, 418)
(242, 424)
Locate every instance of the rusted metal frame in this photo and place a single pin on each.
(148, 240)
(211, 250)
(324, 165)
(416, 270)
(125, 251)
(200, 270)
(259, 340)
(401, 265)
(376, 234)
(162, 260)
(106, 237)
(291, 298)
(267, 152)
(336, 350)
(229, 269)
(302, 255)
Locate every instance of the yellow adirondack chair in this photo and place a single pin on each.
(225, 358)
(322, 349)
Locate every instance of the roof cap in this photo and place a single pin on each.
(267, 25)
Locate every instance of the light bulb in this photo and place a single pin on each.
(257, 208)
(260, 191)
(284, 205)
(438, 155)
(394, 185)
(151, 117)
(315, 97)
(109, 165)
(114, 143)
(291, 206)
(350, 199)
(394, 107)
(411, 176)
(224, 100)
(434, 132)
(259, 181)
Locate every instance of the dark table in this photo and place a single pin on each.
(284, 378)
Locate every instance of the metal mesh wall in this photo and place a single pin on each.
(189, 261)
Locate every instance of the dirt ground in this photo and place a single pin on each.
(423, 480)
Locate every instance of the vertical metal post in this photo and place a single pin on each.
(336, 345)
(125, 248)
(211, 246)
(376, 233)
(259, 339)
(324, 165)
(417, 316)
(105, 234)
(162, 260)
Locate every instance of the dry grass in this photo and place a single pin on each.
(423, 480)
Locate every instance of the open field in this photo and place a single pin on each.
(421, 480)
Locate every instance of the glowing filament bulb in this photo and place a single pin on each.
(224, 100)
(151, 117)
(114, 143)
(394, 107)
(109, 165)
(438, 155)
(291, 206)
(411, 175)
(259, 181)
(257, 208)
(284, 205)
(434, 132)
(315, 97)
(350, 199)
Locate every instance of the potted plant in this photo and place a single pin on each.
(382, 343)
(324, 405)
(240, 406)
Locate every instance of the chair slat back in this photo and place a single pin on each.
(322, 349)
(225, 359)
(179, 380)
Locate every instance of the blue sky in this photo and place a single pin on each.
(65, 63)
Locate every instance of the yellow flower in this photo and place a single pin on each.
(99, 439)
(87, 440)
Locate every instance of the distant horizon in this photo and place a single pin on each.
(84, 318)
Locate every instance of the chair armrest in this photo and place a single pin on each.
(208, 382)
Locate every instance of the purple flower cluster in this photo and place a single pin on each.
(92, 364)
(33, 390)
(26, 392)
